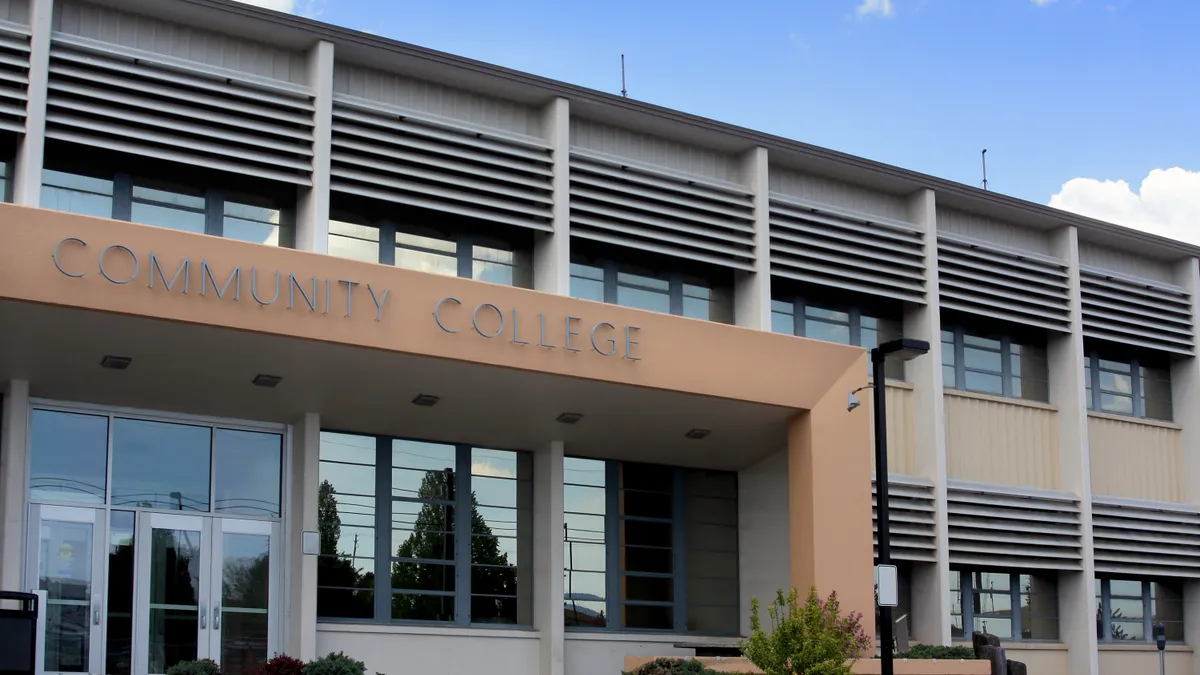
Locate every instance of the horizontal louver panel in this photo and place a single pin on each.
(988, 280)
(145, 104)
(1002, 529)
(1143, 540)
(1136, 311)
(912, 519)
(821, 245)
(645, 209)
(14, 76)
(393, 154)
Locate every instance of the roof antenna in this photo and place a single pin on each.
(624, 93)
(983, 155)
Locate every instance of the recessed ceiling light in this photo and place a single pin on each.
(570, 418)
(426, 400)
(116, 362)
(697, 434)
(268, 381)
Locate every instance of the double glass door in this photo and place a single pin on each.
(135, 593)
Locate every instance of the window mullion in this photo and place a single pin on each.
(122, 205)
(214, 212)
(462, 535)
(1147, 614)
(1139, 402)
(383, 529)
(612, 543)
(798, 317)
(679, 544)
(1105, 609)
(387, 243)
(855, 327)
(1014, 599)
(465, 254)
(675, 293)
(960, 356)
(610, 282)
(968, 602)
(1006, 367)
(1096, 397)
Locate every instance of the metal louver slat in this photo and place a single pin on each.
(14, 77)
(994, 281)
(1136, 311)
(393, 154)
(1146, 538)
(150, 105)
(1012, 529)
(823, 245)
(911, 518)
(691, 218)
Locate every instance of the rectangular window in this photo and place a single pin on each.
(1128, 610)
(845, 325)
(172, 207)
(455, 534)
(652, 290)
(355, 242)
(650, 547)
(427, 254)
(1127, 387)
(74, 193)
(256, 221)
(994, 364)
(1013, 607)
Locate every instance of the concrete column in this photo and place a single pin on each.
(548, 556)
(312, 212)
(930, 582)
(763, 565)
(1185, 387)
(829, 463)
(752, 290)
(552, 250)
(27, 170)
(14, 443)
(300, 571)
(1076, 590)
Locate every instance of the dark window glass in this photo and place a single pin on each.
(999, 366)
(654, 617)
(584, 555)
(346, 523)
(161, 466)
(1166, 607)
(247, 466)
(68, 460)
(984, 601)
(1039, 607)
(711, 533)
(119, 633)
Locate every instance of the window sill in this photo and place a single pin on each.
(620, 636)
(1140, 647)
(1129, 419)
(896, 384)
(516, 632)
(1001, 399)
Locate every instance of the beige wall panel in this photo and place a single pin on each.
(991, 440)
(1134, 459)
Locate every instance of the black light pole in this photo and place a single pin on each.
(903, 349)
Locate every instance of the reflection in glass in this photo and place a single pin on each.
(257, 224)
(246, 466)
(174, 597)
(77, 194)
(502, 520)
(65, 573)
(346, 523)
(119, 632)
(356, 242)
(587, 282)
(68, 457)
(584, 554)
(161, 466)
(426, 254)
(246, 579)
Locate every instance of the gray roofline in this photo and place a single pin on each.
(986, 200)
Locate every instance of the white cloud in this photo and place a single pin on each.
(1167, 203)
(486, 468)
(277, 5)
(874, 8)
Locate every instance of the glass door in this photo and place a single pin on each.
(68, 556)
(173, 570)
(244, 569)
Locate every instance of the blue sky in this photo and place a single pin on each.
(1095, 90)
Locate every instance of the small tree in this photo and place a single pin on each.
(811, 640)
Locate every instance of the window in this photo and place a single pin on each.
(994, 364)
(846, 325)
(174, 206)
(665, 292)
(452, 524)
(1127, 387)
(1010, 606)
(1133, 608)
(650, 548)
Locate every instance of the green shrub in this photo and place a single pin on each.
(336, 663)
(666, 666)
(938, 652)
(813, 639)
(201, 667)
(281, 664)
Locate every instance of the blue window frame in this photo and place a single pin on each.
(1127, 387)
(666, 292)
(1133, 607)
(995, 364)
(1011, 606)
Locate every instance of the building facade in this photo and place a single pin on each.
(314, 341)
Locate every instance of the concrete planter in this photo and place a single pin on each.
(861, 666)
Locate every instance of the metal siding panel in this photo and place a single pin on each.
(1135, 460)
(902, 446)
(1126, 262)
(655, 151)
(999, 442)
(992, 230)
(838, 193)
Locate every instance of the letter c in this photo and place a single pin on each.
(438, 317)
(475, 320)
(136, 266)
(55, 255)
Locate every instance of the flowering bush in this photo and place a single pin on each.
(281, 664)
(813, 639)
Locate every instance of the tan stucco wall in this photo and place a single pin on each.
(1136, 659)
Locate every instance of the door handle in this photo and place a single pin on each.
(95, 609)
(216, 617)
(203, 617)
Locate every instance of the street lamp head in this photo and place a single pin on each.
(903, 349)
(852, 402)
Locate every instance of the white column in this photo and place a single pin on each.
(1076, 590)
(27, 170)
(300, 571)
(312, 212)
(14, 440)
(548, 556)
(930, 582)
(764, 565)
(752, 290)
(552, 250)
(1185, 386)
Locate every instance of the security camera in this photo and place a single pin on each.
(852, 402)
